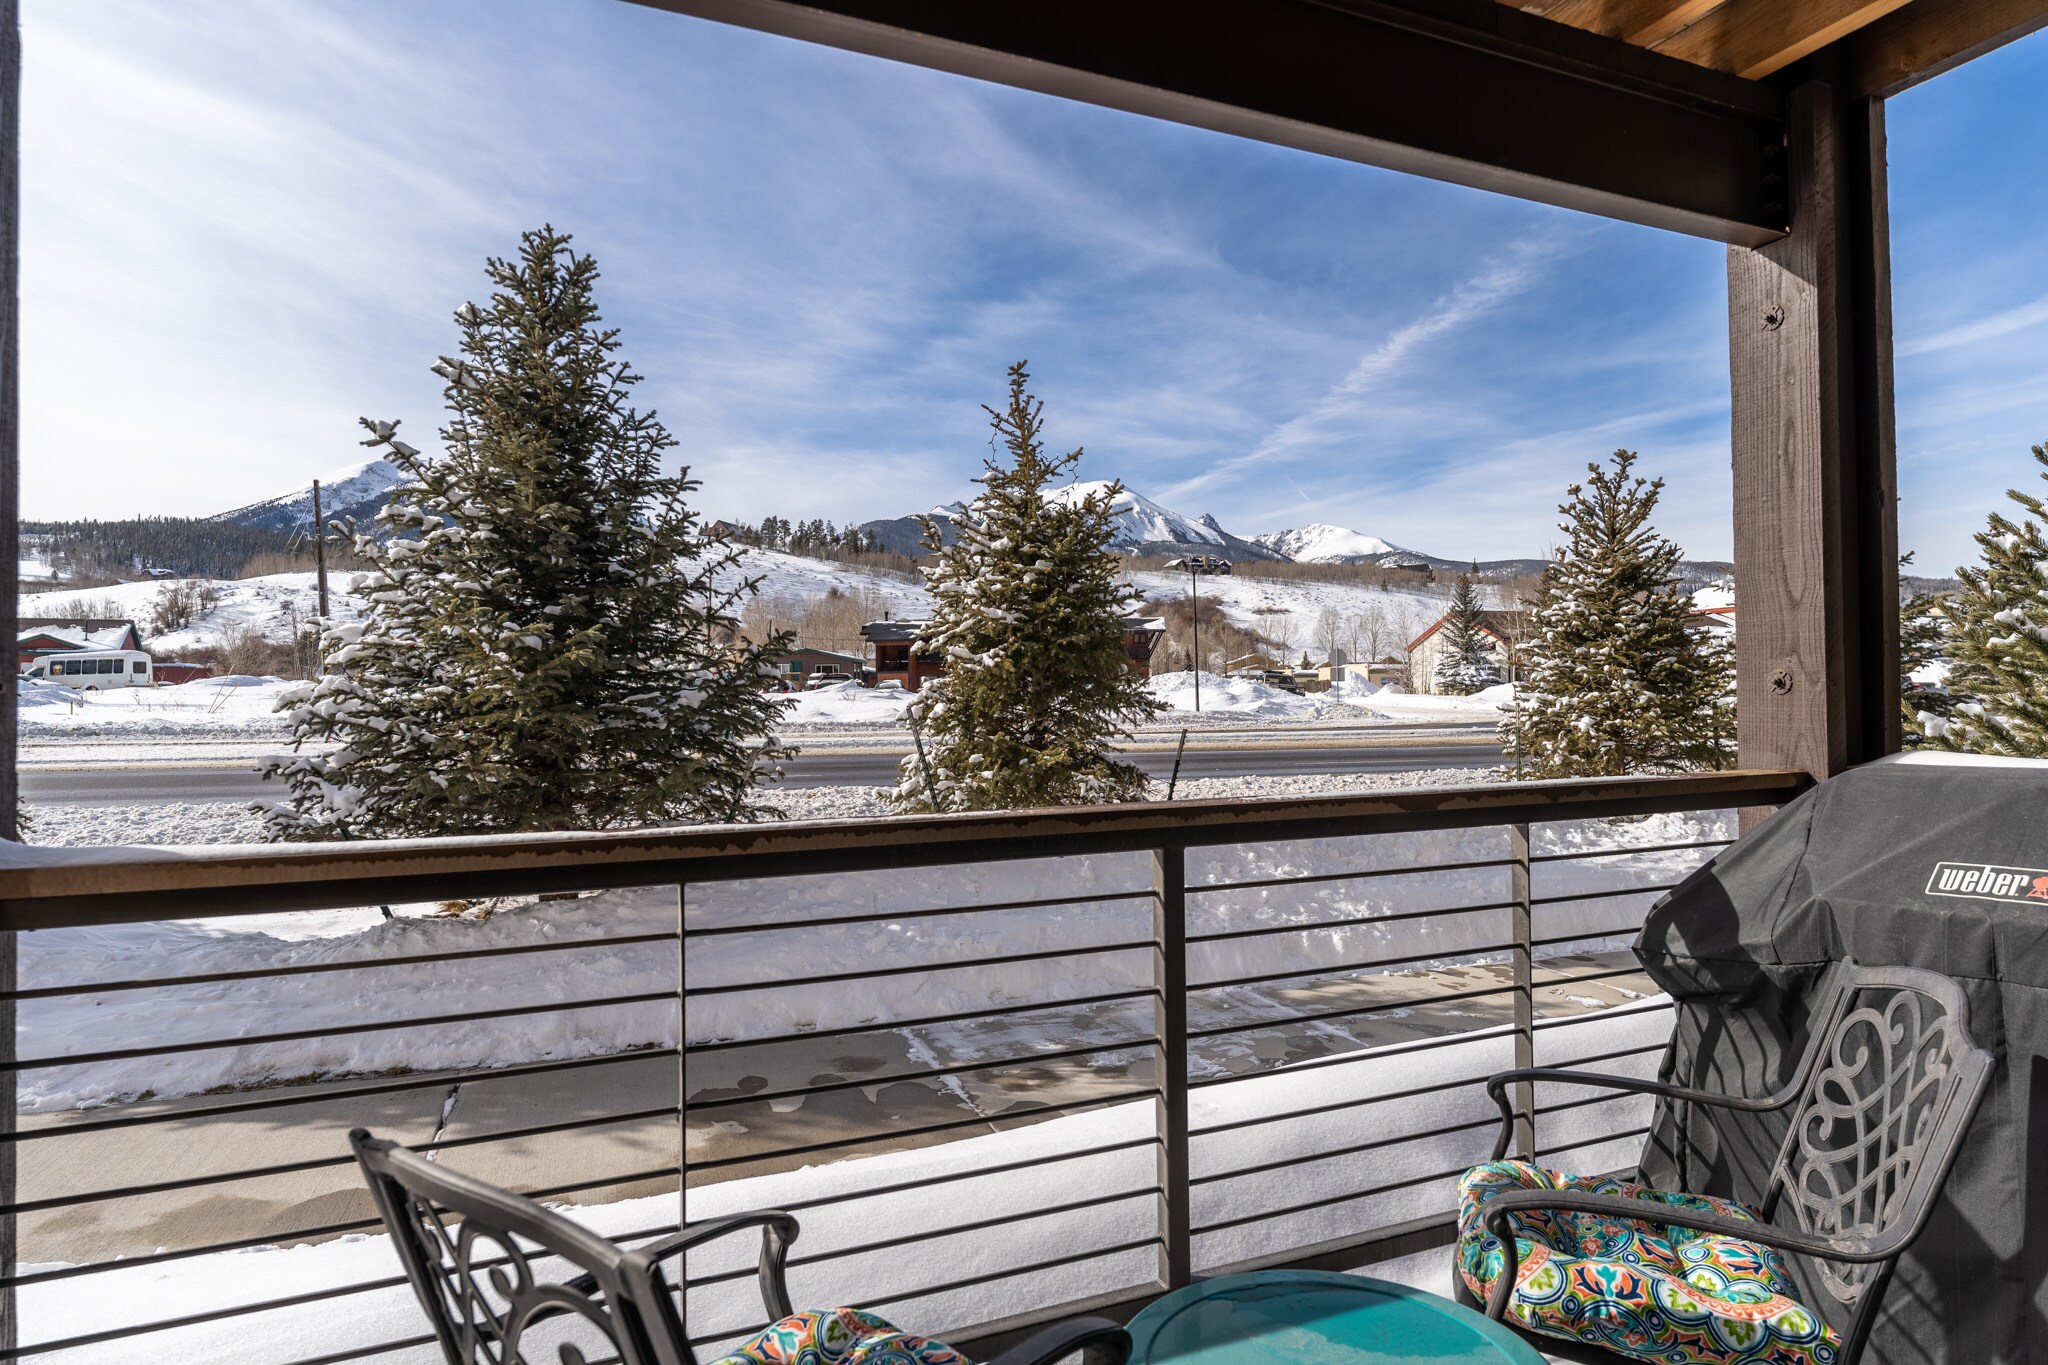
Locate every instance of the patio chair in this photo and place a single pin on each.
(471, 1251)
(1877, 1108)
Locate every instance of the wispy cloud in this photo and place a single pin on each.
(2015, 319)
(1344, 410)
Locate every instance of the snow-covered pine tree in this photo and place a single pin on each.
(1998, 653)
(1923, 641)
(550, 639)
(1615, 680)
(1029, 610)
(1467, 666)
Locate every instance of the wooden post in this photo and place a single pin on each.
(1816, 528)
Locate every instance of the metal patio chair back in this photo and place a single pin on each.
(1877, 1110)
(473, 1253)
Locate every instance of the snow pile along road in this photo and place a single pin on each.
(1234, 696)
(228, 707)
(846, 703)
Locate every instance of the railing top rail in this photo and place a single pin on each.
(47, 888)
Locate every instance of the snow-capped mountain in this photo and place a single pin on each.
(1320, 544)
(1141, 521)
(358, 491)
(1142, 527)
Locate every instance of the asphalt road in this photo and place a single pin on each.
(146, 784)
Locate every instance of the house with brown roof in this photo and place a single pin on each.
(1501, 632)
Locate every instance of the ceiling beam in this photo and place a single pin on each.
(1929, 37)
(1466, 91)
(1644, 23)
(1755, 38)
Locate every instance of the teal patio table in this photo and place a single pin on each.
(1315, 1317)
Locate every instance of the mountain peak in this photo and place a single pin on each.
(1318, 543)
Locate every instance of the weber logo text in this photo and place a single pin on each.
(1985, 881)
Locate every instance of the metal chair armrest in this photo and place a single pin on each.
(1497, 1087)
(778, 1231)
(1100, 1342)
(1501, 1206)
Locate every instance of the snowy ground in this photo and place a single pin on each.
(236, 707)
(1102, 1199)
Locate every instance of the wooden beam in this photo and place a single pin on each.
(1929, 37)
(1816, 542)
(1754, 38)
(1467, 91)
(1642, 22)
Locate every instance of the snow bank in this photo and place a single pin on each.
(1392, 703)
(210, 706)
(847, 703)
(1235, 696)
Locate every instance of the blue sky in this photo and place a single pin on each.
(247, 223)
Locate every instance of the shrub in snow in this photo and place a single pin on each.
(1467, 665)
(544, 644)
(1616, 679)
(1029, 607)
(1998, 653)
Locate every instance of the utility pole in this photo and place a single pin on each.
(320, 551)
(1195, 621)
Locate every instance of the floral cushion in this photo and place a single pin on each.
(1641, 1289)
(839, 1336)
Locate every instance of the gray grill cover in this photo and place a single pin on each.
(1845, 871)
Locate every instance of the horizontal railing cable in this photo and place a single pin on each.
(1007, 959)
(373, 1026)
(933, 912)
(890, 1025)
(317, 968)
(1310, 926)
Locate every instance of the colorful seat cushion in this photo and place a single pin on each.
(839, 1336)
(1641, 1289)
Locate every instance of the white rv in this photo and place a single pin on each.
(93, 669)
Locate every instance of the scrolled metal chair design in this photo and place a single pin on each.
(1879, 1105)
(469, 1250)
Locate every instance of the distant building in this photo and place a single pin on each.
(40, 635)
(800, 663)
(1498, 631)
(169, 673)
(896, 661)
(1201, 564)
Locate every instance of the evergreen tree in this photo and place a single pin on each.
(1923, 641)
(1029, 610)
(1998, 654)
(1614, 679)
(1467, 665)
(550, 637)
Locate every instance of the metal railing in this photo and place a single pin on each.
(1148, 1042)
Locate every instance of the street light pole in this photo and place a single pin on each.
(320, 554)
(1195, 620)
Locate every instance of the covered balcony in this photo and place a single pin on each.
(1008, 1068)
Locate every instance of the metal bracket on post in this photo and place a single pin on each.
(1170, 1026)
(1524, 1098)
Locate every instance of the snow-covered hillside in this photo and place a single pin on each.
(266, 605)
(789, 580)
(1290, 610)
(357, 491)
(1320, 544)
